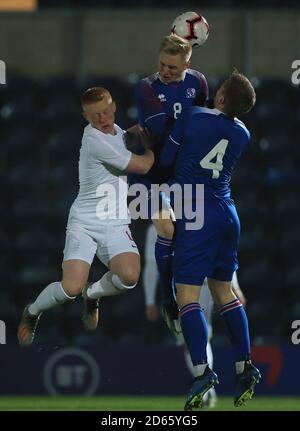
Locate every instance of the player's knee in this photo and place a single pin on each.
(220, 291)
(185, 296)
(72, 289)
(130, 276)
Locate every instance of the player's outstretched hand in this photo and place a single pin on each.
(136, 129)
(132, 140)
(138, 139)
(147, 140)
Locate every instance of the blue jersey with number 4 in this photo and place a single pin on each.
(160, 105)
(205, 146)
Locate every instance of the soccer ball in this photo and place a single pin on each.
(191, 26)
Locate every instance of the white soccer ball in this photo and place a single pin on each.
(191, 26)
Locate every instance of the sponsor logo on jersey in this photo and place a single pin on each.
(190, 93)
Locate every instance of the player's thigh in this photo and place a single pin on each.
(75, 276)
(119, 252)
(79, 252)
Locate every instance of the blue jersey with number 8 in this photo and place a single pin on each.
(160, 105)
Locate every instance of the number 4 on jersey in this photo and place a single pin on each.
(217, 166)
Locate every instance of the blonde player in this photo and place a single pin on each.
(98, 222)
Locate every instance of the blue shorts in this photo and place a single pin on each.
(210, 251)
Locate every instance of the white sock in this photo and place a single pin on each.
(240, 366)
(189, 362)
(51, 296)
(192, 368)
(200, 369)
(108, 285)
(119, 285)
(210, 358)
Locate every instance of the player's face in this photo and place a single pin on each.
(219, 99)
(101, 115)
(171, 67)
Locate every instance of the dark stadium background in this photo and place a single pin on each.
(55, 52)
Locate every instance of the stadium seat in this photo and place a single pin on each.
(273, 97)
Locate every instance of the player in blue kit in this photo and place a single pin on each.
(206, 145)
(161, 98)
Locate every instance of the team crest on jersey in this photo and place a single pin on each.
(162, 98)
(190, 93)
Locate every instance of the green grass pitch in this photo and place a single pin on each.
(128, 403)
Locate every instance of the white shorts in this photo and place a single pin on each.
(106, 243)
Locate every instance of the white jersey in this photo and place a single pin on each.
(102, 197)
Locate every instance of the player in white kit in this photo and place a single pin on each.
(98, 222)
(150, 283)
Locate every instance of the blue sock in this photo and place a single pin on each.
(194, 329)
(236, 322)
(164, 260)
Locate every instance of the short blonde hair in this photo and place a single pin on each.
(94, 95)
(174, 45)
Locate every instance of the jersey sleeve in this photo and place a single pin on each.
(150, 109)
(171, 146)
(105, 152)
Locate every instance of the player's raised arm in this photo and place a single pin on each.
(137, 139)
(140, 164)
